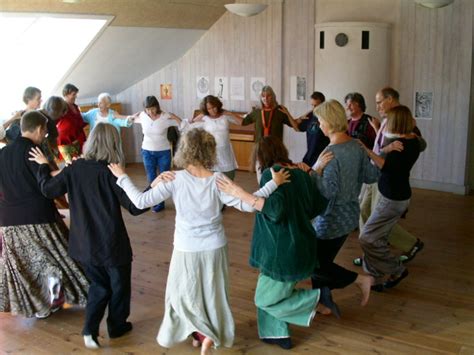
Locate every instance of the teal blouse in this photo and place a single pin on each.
(284, 241)
(90, 117)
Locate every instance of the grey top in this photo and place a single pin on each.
(341, 183)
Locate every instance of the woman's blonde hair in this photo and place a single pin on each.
(196, 147)
(333, 114)
(104, 143)
(400, 120)
(268, 89)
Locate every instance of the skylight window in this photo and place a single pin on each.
(39, 50)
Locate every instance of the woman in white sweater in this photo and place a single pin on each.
(197, 288)
(156, 150)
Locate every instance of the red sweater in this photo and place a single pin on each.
(70, 127)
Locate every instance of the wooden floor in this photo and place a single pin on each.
(430, 312)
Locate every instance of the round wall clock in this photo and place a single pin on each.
(341, 39)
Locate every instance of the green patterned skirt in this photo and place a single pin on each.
(30, 255)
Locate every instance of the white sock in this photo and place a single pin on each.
(90, 343)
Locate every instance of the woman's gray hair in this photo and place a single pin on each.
(269, 89)
(104, 143)
(104, 95)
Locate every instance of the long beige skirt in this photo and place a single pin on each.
(30, 255)
(197, 299)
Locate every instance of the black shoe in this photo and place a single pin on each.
(325, 299)
(284, 343)
(394, 282)
(123, 330)
(377, 288)
(419, 245)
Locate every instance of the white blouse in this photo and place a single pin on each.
(219, 128)
(198, 204)
(155, 131)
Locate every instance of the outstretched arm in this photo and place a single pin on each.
(291, 119)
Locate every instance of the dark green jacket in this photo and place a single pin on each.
(284, 241)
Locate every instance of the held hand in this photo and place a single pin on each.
(323, 161)
(394, 146)
(375, 123)
(37, 155)
(280, 177)
(116, 169)
(303, 166)
(227, 186)
(165, 176)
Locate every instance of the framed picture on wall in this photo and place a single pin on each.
(424, 105)
(237, 92)
(256, 86)
(202, 87)
(165, 92)
(221, 87)
(298, 88)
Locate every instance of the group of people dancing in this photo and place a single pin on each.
(355, 174)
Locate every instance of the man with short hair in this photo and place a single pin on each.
(316, 141)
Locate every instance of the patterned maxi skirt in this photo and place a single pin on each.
(197, 298)
(30, 255)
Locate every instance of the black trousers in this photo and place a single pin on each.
(329, 273)
(110, 286)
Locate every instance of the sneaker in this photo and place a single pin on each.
(284, 343)
(357, 261)
(54, 287)
(158, 208)
(91, 342)
(419, 245)
(43, 315)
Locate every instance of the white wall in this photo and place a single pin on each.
(426, 54)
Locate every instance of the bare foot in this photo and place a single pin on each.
(322, 309)
(206, 346)
(364, 282)
(196, 343)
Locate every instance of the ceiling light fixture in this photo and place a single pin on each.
(434, 4)
(71, 1)
(246, 10)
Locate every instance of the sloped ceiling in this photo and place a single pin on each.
(123, 56)
(143, 37)
(191, 14)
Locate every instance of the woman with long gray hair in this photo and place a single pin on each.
(98, 237)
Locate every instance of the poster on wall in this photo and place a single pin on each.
(237, 92)
(202, 86)
(424, 105)
(256, 86)
(298, 88)
(221, 87)
(165, 92)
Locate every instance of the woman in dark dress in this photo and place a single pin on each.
(38, 275)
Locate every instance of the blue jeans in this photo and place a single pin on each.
(153, 160)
